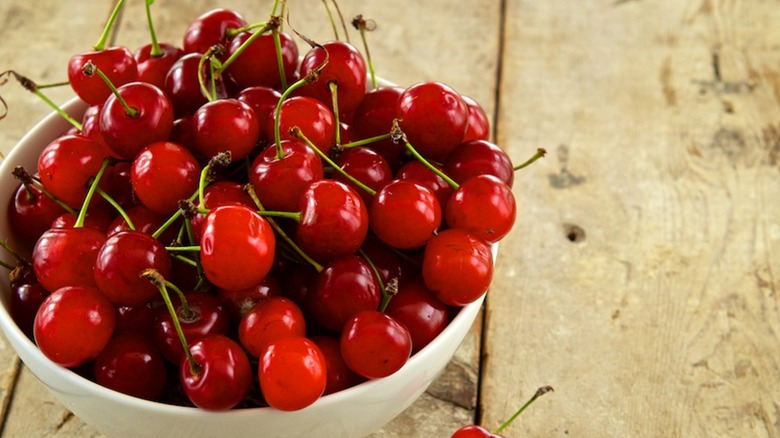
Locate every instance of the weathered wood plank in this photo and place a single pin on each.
(642, 282)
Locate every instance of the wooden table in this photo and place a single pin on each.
(641, 279)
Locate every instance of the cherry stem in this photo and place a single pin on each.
(186, 260)
(214, 67)
(182, 248)
(90, 193)
(279, 57)
(296, 131)
(364, 26)
(539, 392)
(117, 207)
(221, 159)
(389, 291)
(90, 69)
(101, 44)
(26, 179)
(398, 135)
(162, 285)
(176, 215)
(266, 27)
(341, 19)
(19, 259)
(250, 190)
(332, 20)
(334, 98)
(541, 152)
(310, 78)
(34, 88)
(294, 215)
(156, 50)
(366, 141)
(7, 266)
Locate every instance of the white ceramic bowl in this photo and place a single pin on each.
(354, 412)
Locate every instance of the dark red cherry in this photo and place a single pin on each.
(280, 181)
(457, 267)
(182, 85)
(418, 309)
(345, 68)
(66, 257)
(225, 125)
(312, 116)
(131, 364)
(27, 295)
(374, 344)
(263, 100)
(365, 165)
(340, 377)
(257, 65)
(162, 174)
(154, 68)
(31, 212)
(292, 373)
(484, 206)
(137, 319)
(223, 376)
(478, 157)
(210, 28)
(404, 214)
(374, 116)
(117, 63)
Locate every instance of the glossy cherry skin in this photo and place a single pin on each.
(31, 213)
(98, 217)
(340, 377)
(162, 174)
(479, 157)
(66, 165)
(334, 220)
(216, 194)
(457, 267)
(474, 431)
(127, 134)
(484, 206)
(478, 124)
(223, 377)
(315, 120)
(236, 247)
(415, 171)
(225, 125)
(257, 64)
(263, 100)
(374, 116)
(137, 319)
(153, 69)
(269, 320)
(374, 344)
(121, 260)
(210, 28)
(345, 67)
(183, 88)
(131, 364)
(404, 214)
(344, 288)
(292, 373)
(279, 182)
(66, 257)
(27, 295)
(418, 309)
(365, 165)
(144, 220)
(73, 325)
(433, 116)
(207, 317)
(384, 258)
(238, 302)
(117, 63)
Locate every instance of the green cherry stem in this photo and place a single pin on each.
(210, 56)
(221, 159)
(279, 56)
(21, 174)
(90, 69)
(366, 141)
(296, 131)
(398, 135)
(103, 40)
(363, 26)
(183, 248)
(34, 88)
(539, 392)
(266, 27)
(19, 259)
(156, 50)
(389, 290)
(334, 98)
(176, 215)
(90, 193)
(117, 207)
(541, 152)
(341, 19)
(331, 19)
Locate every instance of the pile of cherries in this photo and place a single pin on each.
(232, 224)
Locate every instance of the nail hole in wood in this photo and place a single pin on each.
(574, 233)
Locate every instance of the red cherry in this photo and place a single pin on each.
(257, 65)
(210, 29)
(366, 166)
(483, 206)
(279, 182)
(314, 118)
(164, 165)
(292, 373)
(31, 213)
(374, 116)
(223, 376)
(27, 295)
(478, 125)
(457, 267)
(73, 325)
(418, 309)
(182, 85)
(474, 431)
(66, 165)
(345, 67)
(121, 260)
(236, 247)
(263, 100)
(126, 134)
(144, 220)
(131, 364)
(117, 63)
(374, 344)
(66, 257)
(217, 194)
(433, 116)
(340, 377)
(479, 157)
(137, 319)
(269, 320)
(334, 220)
(98, 218)
(238, 302)
(404, 215)
(415, 171)
(153, 69)
(225, 125)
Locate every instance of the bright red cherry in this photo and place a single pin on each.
(216, 194)
(257, 64)
(479, 157)
(131, 364)
(374, 344)
(182, 85)
(153, 69)
(117, 63)
(292, 373)
(66, 165)
(236, 247)
(73, 325)
(225, 125)
(222, 377)
(164, 173)
(345, 68)
(66, 257)
(210, 28)
(312, 116)
(238, 302)
(404, 214)
(269, 320)
(263, 100)
(457, 267)
(418, 309)
(415, 171)
(280, 181)
(484, 206)
(478, 125)
(474, 431)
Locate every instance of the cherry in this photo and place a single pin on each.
(457, 267)
(374, 344)
(217, 376)
(366, 166)
(66, 257)
(121, 260)
(345, 68)
(434, 117)
(415, 171)
(27, 295)
(164, 164)
(263, 100)
(374, 117)
(255, 65)
(280, 181)
(484, 206)
(315, 120)
(269, 320)
(183, 87)
(150, 119)
(238, 302)
(292, 373)
(339, 375)
(236, 247)
(117, 63)
(137, 319)
(152, 68)
(143, 219)
(334, 220)
(216, 194)
(418, 309)
(225, 125)
(131, 364)
(475, 431)
(119, 187)
(211, 28)
(384, 258)
(73, 325)
(345, 287)
(479, 157)
(478, 125)
(404, 214)
(31, 212)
